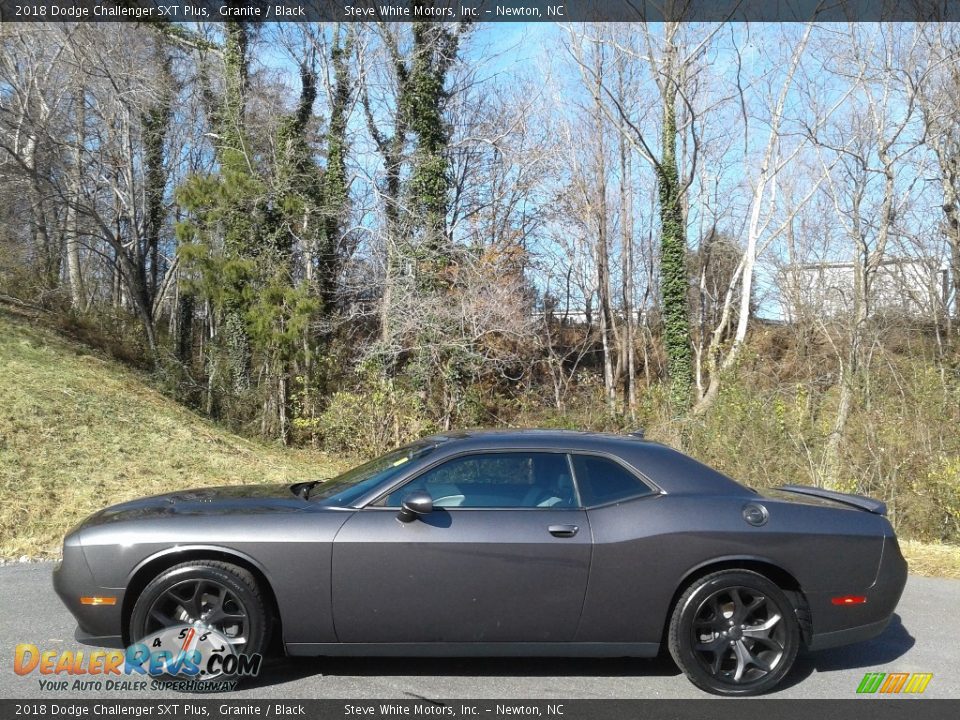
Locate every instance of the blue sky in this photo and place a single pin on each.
(505, 53)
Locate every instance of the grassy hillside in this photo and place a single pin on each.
(78, 432)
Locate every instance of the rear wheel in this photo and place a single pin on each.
(734, 632)
(206, 594)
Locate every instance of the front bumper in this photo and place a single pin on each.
(100, 625)
(835, 625)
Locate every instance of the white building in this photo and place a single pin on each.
(901, 286)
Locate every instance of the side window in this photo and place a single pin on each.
(495, 480)
(602, 480)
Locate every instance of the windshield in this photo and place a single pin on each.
(344, 489)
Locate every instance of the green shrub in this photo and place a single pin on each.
(368, 420)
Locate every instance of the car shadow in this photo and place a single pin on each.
(280, 670)
(891, 644)
(894, 642)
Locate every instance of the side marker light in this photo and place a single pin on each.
(849, 600)
(97, 600)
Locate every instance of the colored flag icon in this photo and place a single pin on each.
(894, 683)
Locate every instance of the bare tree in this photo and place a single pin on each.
(33, 112)
(938, 89)
(761, 215)
(868, 145)
(674, 59)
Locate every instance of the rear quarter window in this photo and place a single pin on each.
(602, 480)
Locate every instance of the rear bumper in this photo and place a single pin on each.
(849, 636)
(835, 625)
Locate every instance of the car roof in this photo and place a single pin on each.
(540, 437)
(670, 469)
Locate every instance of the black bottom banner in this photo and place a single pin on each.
(719, 709)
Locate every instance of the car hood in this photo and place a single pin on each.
(227, 500)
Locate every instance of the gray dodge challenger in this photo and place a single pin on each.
(483, 543)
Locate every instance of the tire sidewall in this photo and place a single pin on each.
(681, 632)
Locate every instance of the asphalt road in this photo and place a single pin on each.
(923, 637)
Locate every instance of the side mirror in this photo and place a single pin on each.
(415, 505)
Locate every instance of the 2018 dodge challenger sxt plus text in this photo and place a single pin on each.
(524, 543)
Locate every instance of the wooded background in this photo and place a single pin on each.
(349, 236)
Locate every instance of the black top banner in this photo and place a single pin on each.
(186, 11)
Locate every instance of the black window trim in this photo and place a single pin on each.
(371, 505)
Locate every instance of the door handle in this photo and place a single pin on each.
(563, 530)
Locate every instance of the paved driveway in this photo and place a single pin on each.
(923, 637)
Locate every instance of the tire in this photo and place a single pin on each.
(228, 599)
(735, 633)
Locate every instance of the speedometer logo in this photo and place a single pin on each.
(194, 651)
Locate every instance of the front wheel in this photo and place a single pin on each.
(734, 632)
(205, 594)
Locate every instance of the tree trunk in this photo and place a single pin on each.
(184, 334)
(673, 246)
(238, 350)
(849, 371)
(951, 209)
(155, 125)
(626, 223)
(603, 296)
(74, 277)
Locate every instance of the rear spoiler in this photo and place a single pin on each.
(877, 507)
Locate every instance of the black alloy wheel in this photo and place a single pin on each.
(206, 594)
(734, 633)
